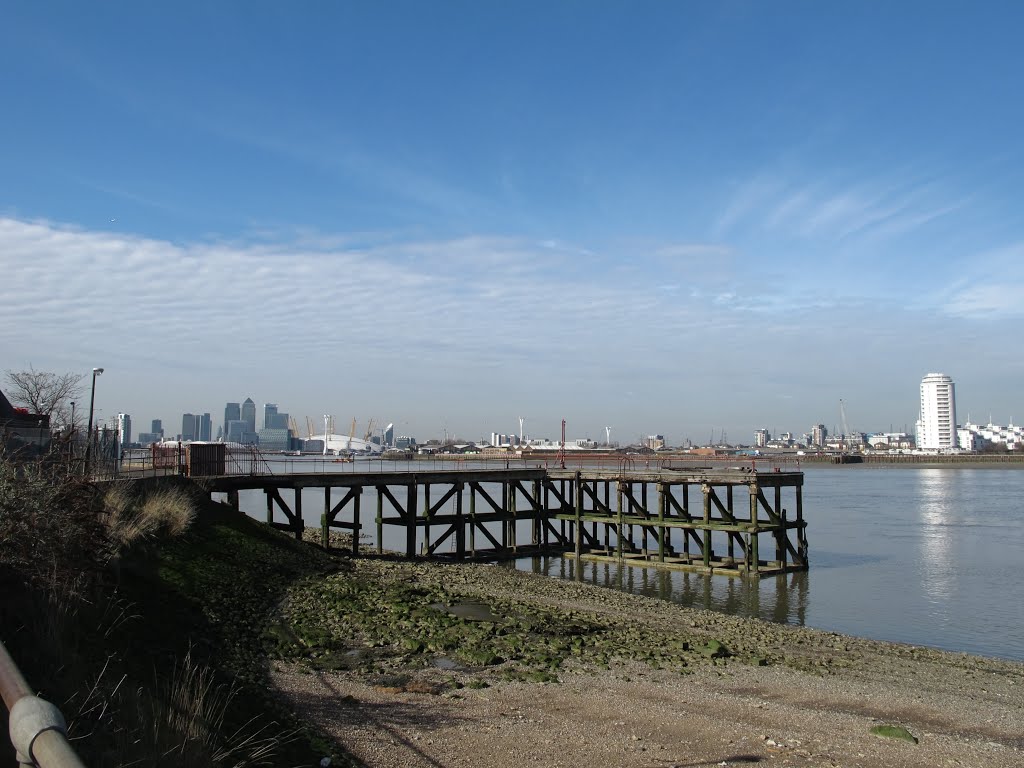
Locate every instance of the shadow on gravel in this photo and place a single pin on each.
(394, 720)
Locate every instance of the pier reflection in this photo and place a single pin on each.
(782, 599)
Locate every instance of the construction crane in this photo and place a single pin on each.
(351, 433)
(369, 430)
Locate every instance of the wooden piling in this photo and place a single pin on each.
(569, 512)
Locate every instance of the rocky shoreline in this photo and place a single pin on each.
(432, 664)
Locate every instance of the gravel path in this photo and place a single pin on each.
(813, 704)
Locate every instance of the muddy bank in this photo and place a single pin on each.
(429, 664)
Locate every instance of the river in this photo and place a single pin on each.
(927, 556)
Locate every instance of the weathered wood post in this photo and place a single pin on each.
(579, 526)
(663, 490)
(540, 529)
(781, 534)
(755, 557)
(686, 513)
(358, 490)
(706, 488)
(504, 508)
(643, 528)
(380, 520)
(472, 519)
(732, 514)
(801, 531)
(325, 528)
(512, 510)
(425, 546)
(460, 526)
(618, 517)
(410, 518)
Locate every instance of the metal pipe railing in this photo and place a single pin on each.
(37, 728)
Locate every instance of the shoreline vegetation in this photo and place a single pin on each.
(229, 643)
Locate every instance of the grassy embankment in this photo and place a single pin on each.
(138, 609)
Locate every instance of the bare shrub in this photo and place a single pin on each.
(50, 533)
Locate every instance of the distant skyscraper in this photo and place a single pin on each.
(157, 427)
(249, 413)
(760, 438)
(232, 412)
(124, 429)
(196, 427)
(936, 427)
(235, 432)
(189, 426)
(389, 435)
(205, 429)
(270, 416)
(818, 435)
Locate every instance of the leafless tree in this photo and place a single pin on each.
(46, 393)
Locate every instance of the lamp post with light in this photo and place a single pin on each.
(92, 401)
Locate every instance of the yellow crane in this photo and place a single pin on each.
(369, 430)
(309, 428)
(351, 433)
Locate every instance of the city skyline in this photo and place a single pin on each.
(815, 433)
(692, 219)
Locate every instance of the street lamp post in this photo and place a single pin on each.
(92, 401)
(71, 432)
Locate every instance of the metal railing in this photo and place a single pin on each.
(38, 731)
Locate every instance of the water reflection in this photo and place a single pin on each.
(783, 599)
(937, 517)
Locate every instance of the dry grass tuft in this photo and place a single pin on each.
(192, 709)
(130, 519)
(125, 526)
(172, 509)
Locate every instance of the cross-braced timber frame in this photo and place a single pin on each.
(729, 521)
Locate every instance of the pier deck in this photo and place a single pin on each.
(734, 521)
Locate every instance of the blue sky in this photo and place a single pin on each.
(662, 217)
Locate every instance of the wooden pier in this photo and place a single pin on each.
(733, 521)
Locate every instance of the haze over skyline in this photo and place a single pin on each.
(664, 217)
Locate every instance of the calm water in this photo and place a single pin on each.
(923, 556)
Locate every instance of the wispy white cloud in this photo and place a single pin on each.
(832, 210)
(379, 300)
(988, 285)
